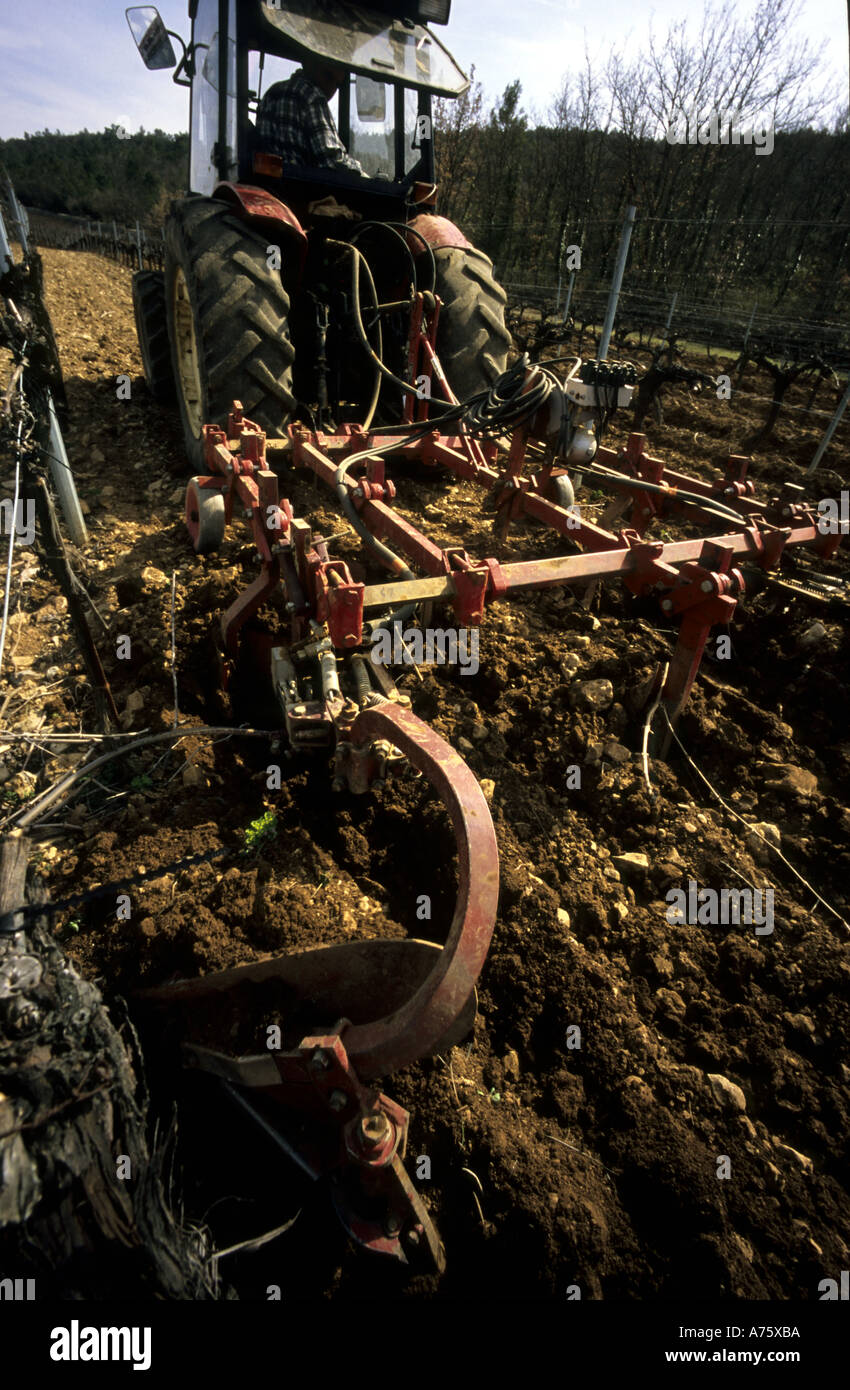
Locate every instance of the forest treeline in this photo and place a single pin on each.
(101, 175)
(715, 221)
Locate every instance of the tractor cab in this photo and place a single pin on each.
(294, 289)
(393, 65)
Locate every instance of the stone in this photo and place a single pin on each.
(801, 1023)
(637, 1090)
(563, 918)
(570, 664)
(744, 1246)
(667, 872)
(464, 746)
(811, 637)
(193, 776)
(135, 704)
(615, 752)
(510, 1065)
(769, 832)
(631, 862)
(726, 1093)
(579, 640)
(152, 578)
(480, 732)
(620, 911)
(594, 695)
(160, 885)
(670, 1003)
(795, 1156)
(663, 966)
(797, 781)
(488, 787)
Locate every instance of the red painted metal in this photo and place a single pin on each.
(258, 206)
(437, 231)
(414, 1030)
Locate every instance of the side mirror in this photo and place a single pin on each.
(151, 37)
(371, 99)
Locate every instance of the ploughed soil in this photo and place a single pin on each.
(645, 1108)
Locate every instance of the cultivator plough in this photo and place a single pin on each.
(519, 444)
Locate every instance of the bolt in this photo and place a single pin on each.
(290, 608)
(249, 511)
(404, 701)
(337, 1100)
(392, 1225)
(374, 1129)
(667, 604)
(320, 1061)
(706, 586)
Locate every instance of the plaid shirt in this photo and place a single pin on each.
(294, 121)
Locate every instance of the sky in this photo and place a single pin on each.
(74, 66)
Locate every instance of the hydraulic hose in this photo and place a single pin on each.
(357, 257)
(391, 227)
(599, 473)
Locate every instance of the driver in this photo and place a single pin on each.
(294, 120)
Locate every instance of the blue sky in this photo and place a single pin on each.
(74, 66)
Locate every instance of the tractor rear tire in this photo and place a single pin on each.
(228, 317)
(472, 340)
(152, 333)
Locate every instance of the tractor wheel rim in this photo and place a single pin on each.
(188, 369)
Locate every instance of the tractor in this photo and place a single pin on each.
(257, 300)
